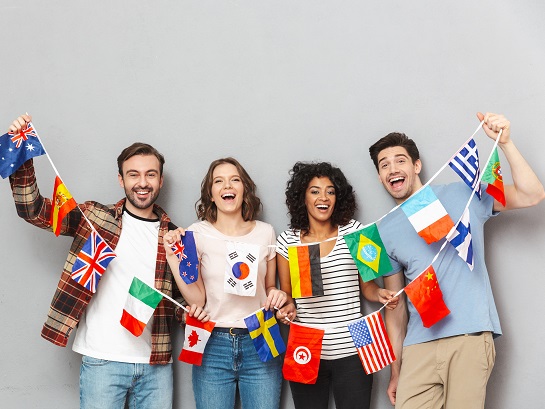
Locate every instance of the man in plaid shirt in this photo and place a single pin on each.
(115, 364)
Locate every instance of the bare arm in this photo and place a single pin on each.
(372, 292)
(289, 309)
(526, 189)
(396, 325)
(275, 297)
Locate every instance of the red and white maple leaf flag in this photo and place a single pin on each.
(197, 334)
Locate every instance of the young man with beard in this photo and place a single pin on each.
(448, 364)
(116, 366)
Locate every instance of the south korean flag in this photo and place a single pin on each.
(241, 269)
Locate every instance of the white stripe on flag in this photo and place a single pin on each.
(202, 338)
(139, 310)
(428, 215)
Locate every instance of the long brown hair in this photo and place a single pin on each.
(206, 208)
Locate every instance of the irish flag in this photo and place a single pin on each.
(427, 215)
(197, 334)
(141, 302)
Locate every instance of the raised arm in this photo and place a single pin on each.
(29, 203)
(396, 325)
(526, 189)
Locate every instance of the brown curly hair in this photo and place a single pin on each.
(301, 175)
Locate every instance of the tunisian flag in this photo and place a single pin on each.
(302, 359)
(197, 334)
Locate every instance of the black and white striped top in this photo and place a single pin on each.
(340, 303)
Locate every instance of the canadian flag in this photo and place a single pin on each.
(196, 337)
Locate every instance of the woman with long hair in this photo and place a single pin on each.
(227, 210)
(321, 204)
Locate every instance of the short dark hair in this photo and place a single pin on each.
(206, 208)
(391, 140)
(139, 148)
(301, 175)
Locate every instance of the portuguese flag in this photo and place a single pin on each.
(492, 176)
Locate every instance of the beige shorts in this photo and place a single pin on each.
(449, 373)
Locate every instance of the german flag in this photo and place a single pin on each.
(305, 271)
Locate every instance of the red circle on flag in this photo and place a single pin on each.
(241, 270)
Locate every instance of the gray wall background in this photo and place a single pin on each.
(269, 82)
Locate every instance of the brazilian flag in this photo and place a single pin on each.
(368, 252)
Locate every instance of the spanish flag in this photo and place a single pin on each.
(62, 204)
(305, 271)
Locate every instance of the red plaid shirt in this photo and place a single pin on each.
(71, 299)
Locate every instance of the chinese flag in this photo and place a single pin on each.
(63, 203)
(302, 359)
(427, 298)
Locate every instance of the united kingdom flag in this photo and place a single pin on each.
(92, 261)
(22, 136)
(178, 250)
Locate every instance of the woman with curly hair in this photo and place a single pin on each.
(321, 204)
(227, 209)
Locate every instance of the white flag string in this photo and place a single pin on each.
(57, 173)
(327, 326)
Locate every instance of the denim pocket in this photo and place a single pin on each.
(90, 361)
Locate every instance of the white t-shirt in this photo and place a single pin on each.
(228, 310)
(100, 334)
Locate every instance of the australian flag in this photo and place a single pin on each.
(466, 164)
(187, 255)
(17, 148)
(92, 261)
(461, 239)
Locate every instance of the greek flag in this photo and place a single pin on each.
(466, 164)
(461, 239)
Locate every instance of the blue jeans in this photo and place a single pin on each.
(231, 360)
(109, 384)
(351, 386)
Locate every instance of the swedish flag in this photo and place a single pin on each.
(265, 333)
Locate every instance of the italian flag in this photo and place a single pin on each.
(141, 302)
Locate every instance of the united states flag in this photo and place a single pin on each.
(92, 261)
(466, 164)
(461, 239)
(371, 340)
